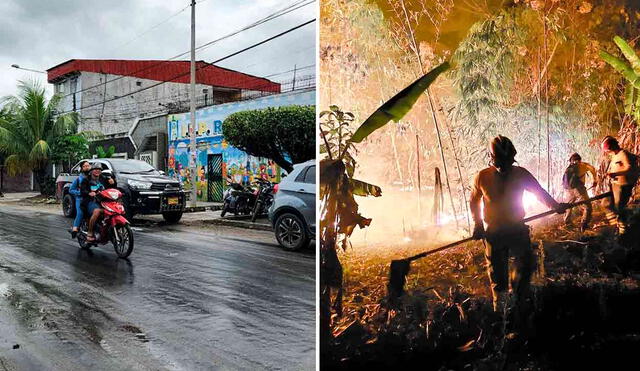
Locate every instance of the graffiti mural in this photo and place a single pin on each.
(237, 165)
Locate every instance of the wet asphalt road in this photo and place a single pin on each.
(187, 299)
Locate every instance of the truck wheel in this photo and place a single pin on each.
(291, 232)
(172, 217)
(127, 209)
(69, 206)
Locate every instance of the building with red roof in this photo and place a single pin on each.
(112, 95)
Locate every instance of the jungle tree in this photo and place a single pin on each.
(30, 128)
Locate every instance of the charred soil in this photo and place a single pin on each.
(582, 313)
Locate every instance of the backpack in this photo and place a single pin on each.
(570, 179)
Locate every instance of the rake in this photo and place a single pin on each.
(400, 268)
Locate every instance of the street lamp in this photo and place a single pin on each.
(26, 69)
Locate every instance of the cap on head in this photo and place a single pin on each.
(575, 157)
(96, 167)
(610, 143)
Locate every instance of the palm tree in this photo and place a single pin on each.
(28, 128)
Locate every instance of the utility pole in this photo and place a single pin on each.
(293, 85)
(192, 123)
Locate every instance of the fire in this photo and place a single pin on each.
(531, 203)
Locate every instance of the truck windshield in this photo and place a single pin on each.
(132, 167)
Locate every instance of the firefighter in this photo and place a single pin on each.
(573, 181)
(622, 173)
(500, 188)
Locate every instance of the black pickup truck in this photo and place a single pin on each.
(146, 190)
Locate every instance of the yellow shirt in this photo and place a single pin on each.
(583, 169)
(502, 194)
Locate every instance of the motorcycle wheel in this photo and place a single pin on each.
(124, 244)
(257, 209)
(225, 207)
(82, 236)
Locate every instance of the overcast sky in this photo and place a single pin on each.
(40, 34)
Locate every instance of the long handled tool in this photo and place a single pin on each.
(400, 268)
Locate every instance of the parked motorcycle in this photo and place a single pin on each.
(112, 227)
(238, 199)
(264, 198)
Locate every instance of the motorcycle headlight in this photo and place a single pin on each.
(138, 184)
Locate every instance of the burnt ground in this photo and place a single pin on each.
(583, 313)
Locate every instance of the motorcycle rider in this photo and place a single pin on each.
(500, 187)
(89, 188)
(623, 173)
(574, 183)
(74, 190)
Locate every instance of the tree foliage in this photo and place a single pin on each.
(29, 128)
(69, 149)
(630, 71)
(101, 152)
(284, 134)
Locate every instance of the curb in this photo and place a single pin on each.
(190, 209)
(239, 223)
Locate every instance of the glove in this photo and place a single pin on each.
(562, 207)
(478, 232)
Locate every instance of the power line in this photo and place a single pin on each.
(151, 28)
(296, 5)
(198, 68)
(305, 81)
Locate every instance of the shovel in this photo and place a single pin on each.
(400, 268)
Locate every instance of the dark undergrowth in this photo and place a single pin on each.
(583, 312)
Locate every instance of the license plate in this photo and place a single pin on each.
(172, 201)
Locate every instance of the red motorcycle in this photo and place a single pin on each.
(113, 226)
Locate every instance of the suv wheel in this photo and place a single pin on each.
(172, 217)
(291, 232)
(68, 206)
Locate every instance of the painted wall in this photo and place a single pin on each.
(240, 166)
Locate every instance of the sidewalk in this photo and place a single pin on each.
(203, 206)
(241, 221)
(18, 196)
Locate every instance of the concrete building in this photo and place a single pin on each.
(111, 96)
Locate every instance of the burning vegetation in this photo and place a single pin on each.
(427, 85)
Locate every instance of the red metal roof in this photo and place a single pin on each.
(206, 74)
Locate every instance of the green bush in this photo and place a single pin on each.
(287, 135)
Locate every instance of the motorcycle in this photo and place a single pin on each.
(264, 198)
(238, 200)
(112, 227)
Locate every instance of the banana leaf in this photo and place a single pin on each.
(629, 91)
(636, 108)
(629, 53)
(398, 106)
(622, 67)
(364, 189)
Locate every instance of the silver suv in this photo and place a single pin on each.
(293, 212)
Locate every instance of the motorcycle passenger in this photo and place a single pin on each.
(74, 190)
(108, 181)
(89, 188)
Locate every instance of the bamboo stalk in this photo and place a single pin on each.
(433, 112)
(455, 156)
